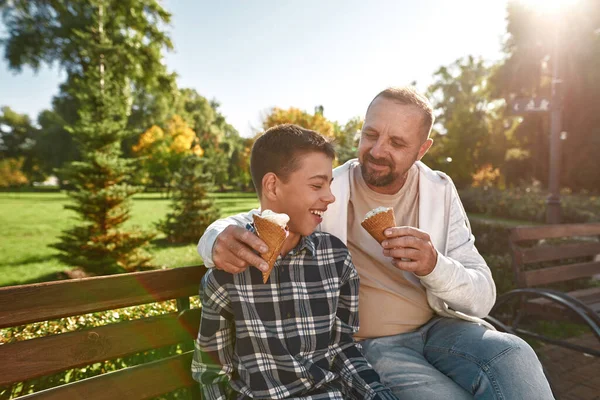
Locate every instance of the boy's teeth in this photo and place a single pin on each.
(319, 213)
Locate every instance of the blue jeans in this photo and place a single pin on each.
(454, 359)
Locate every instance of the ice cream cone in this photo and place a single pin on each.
(274, 236)
(378, 223)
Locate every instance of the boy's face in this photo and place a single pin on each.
(307, 193)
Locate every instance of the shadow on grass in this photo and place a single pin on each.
(164, 243)
(30, 260)
(51, 277)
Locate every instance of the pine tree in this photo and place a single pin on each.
(102, 193)
(192, 210)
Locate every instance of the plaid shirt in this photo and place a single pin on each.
(289, 338)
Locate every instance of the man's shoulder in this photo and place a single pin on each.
(345, 168)
(434, 176)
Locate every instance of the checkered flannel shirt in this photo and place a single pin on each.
(289, 338)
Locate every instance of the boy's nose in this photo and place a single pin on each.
(329, 197)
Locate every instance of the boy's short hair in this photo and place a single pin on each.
(278, 150)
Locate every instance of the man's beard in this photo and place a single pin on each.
(375, 179)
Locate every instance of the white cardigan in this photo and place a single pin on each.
(461, 284)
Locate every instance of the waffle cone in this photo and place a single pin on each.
(378, 223)
(274, 236)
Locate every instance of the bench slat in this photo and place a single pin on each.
(139, 382)
(553, 231)
(57, 353)
(561, 273)
(548, 253)
(46, 301)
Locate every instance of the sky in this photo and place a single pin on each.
(254, 55)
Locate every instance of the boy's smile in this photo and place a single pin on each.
(305, 195)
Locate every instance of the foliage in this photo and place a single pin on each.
(18, 139)
(469, 133)
(11, 173)
(161, 154)
(526, 71)
(191, 209)
(99, 244)
(106, 48)
(317, 122)
(346, 139)
(528, 204)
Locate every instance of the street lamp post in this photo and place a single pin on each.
(553, 200)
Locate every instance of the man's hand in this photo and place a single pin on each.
(233, 250)
(411, 250)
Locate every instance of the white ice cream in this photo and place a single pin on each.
(279, 219)
(376, 211)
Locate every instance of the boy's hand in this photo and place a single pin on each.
(411, 250)
(233, 250)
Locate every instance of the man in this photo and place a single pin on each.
(421, 297)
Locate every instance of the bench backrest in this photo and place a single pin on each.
(537, 244)
(29, 359)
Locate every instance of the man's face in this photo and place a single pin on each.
(392, 140)
(307, 193)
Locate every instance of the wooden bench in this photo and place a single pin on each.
(22, 361)
(550, 255)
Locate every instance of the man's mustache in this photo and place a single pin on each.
(378, 161)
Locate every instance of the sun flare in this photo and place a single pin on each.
(549, 6)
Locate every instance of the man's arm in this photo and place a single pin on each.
(213, 351)
(228, 245)
(460, 278)
(359, 379)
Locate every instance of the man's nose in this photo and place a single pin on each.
(378, 150)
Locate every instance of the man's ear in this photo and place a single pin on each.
(269, 186)
(424, 148)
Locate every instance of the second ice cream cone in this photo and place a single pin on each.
(378, 223)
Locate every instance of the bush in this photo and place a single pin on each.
(528, 204)
(491, 239)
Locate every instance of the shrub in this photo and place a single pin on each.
(528, 204)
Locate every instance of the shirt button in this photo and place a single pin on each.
(288, 315)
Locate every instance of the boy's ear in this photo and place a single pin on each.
(269, 186)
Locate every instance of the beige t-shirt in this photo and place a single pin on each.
(388, 303)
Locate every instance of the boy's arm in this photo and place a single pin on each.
(212, 363)
(228, 245)
(358, 377)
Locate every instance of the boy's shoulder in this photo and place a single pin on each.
(327, 240)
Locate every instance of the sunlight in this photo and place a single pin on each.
(548, 6)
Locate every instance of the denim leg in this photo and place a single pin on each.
(488, 364)
(402, 367)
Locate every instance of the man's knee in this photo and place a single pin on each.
(510, 349)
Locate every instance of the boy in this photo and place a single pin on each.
(291, 337)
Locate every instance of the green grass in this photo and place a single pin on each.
(30, 222)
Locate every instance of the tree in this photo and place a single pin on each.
(346, 139)
(108, 48)
(161, 154)
(317, 122)
(17, 147)
(192, 210)
(526, 71)
(468, 121)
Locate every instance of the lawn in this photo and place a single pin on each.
(32, 221)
